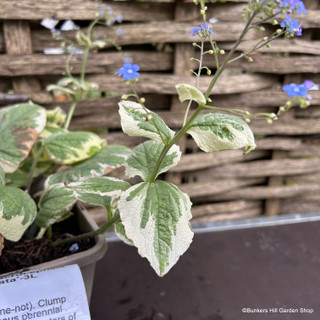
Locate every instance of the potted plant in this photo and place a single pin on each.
(37, 152)
(152, 215)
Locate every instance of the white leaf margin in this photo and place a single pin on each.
(131, 126)
(143, 238)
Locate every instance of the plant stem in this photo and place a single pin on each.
(167, 147)
(256, 48)
(84, 63)
(90, 234)
(225, 63)
(70, 113)
(33, 166)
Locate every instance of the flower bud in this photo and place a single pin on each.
(222, 52)
(264, 38)
(142, 100)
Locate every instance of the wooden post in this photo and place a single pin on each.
(17, 38)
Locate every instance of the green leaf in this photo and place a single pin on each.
(2, 178)
(144, 157)
(139, 121)
(71, 147)
(156, 218)
(20, 126)
(188, 92)
(17, 212)
(108, 159)
(217, 131)
(61, 197)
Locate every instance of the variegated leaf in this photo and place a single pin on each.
(71, 147)
(156, 218)
(189, 92)
(60, 198)
(17, 212)
(54, 203)
(103, 162)
(20, 126)
(144, 157)
(139, 121)
(216, 132)
(121, 233)
(93, 188)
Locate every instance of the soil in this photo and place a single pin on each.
(29, 252)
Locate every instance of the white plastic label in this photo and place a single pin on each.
(55, 294)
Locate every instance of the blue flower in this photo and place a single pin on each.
(205, 29)
(294, 90)
(292, 26)
(294, 5)
(129, 71)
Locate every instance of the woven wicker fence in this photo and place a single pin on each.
(281, 176)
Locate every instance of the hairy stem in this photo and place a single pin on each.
(90, 234)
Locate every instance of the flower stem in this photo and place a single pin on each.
(70, 113)
(225, 63)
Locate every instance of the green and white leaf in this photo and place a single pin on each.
(189, 92)
(71, 147)
(20, 126)
(17, 212)
(50, 130)
(144, 157)
(121, 233)
(109, 158)
(60, 198)
(156, 218)
(90, 190)
(55, 203)
(139, 121)
(216, 132)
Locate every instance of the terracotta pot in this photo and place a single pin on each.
(85, 259)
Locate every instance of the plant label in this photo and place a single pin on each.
(55, 294)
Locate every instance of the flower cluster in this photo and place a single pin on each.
(295, 90)
(292, 26)
(204, 30)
